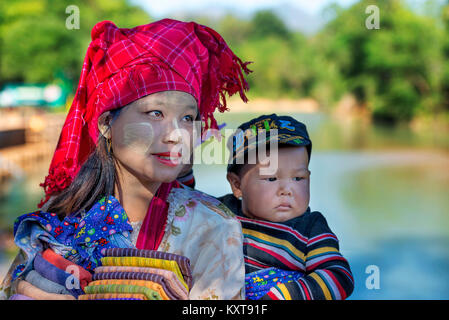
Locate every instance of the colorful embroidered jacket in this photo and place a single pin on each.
(198, 227)
(304, 244)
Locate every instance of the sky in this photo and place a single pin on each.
(159, 8)
(306, 16)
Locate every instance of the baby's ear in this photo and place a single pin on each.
(104, 125)
(234, 181)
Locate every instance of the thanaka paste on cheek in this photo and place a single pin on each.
(138, 137)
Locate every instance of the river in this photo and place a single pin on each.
(384, 192)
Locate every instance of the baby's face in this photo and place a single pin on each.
(281, 196)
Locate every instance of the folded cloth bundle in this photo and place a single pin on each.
(40, 282)
(58, 261)
(53, 273)
(167, 275)
(136, 278)
(121, 288)
(183, 262)
(174, 283)
(258, 283)
(145, 262)
(143, 283)
(19, 297)
(113, 296)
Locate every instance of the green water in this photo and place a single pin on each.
(384, 192)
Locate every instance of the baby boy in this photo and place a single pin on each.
(290, 251)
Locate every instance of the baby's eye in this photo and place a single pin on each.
(155, 113)
(298, 178)
(271, 179)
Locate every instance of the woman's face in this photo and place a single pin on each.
(152, 136)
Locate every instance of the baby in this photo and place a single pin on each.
(290, 251)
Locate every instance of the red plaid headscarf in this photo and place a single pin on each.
(123, 65)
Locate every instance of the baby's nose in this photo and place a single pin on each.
(285, 191)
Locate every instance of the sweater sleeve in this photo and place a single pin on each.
(328, 275)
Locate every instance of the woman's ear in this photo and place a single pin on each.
(104, 124)
(234, 181)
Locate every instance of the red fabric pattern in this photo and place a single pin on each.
(153, 226)
(58, 261)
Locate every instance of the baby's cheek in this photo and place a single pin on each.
(302, 197)
(266, 197)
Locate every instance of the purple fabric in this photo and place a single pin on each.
(53, 273)
(183, 262)
(19, 297)
(138, 276)
(120, 299)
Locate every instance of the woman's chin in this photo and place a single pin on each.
(163, 176)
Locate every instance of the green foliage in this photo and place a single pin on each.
(265, 23)
(395, 70)
(398, 71)
(36, 45)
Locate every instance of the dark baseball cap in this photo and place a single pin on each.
(248, 135)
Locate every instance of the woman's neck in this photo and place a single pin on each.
(133, 194)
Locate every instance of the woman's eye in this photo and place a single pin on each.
(271, 179)
(188, 118)
(155, 113)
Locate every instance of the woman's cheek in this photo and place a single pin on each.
(138, 137)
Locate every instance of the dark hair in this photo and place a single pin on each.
(95, 180)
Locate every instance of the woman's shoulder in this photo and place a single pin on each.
(188, 198)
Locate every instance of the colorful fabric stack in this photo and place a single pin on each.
(54, 274)
(129, 273)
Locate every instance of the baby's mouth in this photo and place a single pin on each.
(284, 207)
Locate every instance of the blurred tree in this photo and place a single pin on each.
(445, 80)
(398, 71)
(234, 30)
(36, 45)
(265, 23)
(394, 70)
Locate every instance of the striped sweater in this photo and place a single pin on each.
(305, 244)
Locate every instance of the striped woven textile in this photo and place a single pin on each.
(120, 299)
(172, 280)
(144, 283)
(113, 296)
(121, 288)
(305, 244)
(142, 277)
(183, 262)
(170, 265)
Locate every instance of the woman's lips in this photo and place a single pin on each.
(171, 159)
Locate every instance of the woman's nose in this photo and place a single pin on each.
(172, 133)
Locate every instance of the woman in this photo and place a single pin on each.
(120, 151)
